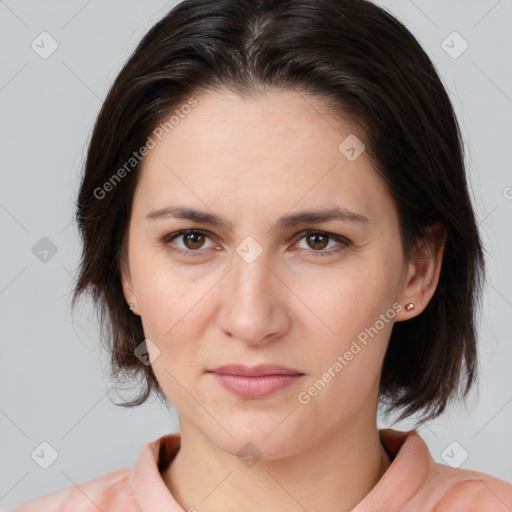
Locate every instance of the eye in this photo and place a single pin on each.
(192, 240)
(319, 240)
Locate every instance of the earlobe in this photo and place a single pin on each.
(128, 292)
(423, 274)
(127, 286)
(126, 283)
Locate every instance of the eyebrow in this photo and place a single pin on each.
(304, 217)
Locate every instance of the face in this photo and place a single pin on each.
(253, 281)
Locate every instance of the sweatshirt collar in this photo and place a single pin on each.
(409, 468)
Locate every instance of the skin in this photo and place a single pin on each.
(252, 161)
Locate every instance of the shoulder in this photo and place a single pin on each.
(446, 489)
(471, 491)
(107, 492)
(415, 481)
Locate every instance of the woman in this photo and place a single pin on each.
(278, 233)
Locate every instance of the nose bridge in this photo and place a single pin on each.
(252, 306)
(251, 277)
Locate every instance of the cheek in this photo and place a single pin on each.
(174, 311)
(345, 301)
(353, 322)
(165, 294)
(169, 312)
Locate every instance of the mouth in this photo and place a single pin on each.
(255, 381)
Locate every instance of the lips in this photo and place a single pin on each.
(255, 371)
(252, 382)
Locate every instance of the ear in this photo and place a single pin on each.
(126, 279)
(423, 272)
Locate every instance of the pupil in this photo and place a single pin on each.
(192, 238)
(315, 240)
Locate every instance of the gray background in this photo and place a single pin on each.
(54, 384)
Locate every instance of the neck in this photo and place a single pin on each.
(333, 475)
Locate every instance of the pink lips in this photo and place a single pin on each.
(255, 381)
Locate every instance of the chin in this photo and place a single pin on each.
(262, 434)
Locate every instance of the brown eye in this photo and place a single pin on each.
(322, 243)
(193, 240)
(188, 242)
(317, 241)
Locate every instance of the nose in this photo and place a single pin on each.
(254, 302)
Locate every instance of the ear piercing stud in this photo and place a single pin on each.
(132, 305)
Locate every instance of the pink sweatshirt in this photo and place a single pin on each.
(413, 482)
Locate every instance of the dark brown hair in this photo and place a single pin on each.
(366, 64)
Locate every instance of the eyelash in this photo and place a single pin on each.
(344, 242)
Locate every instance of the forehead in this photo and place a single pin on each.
(266, 152)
